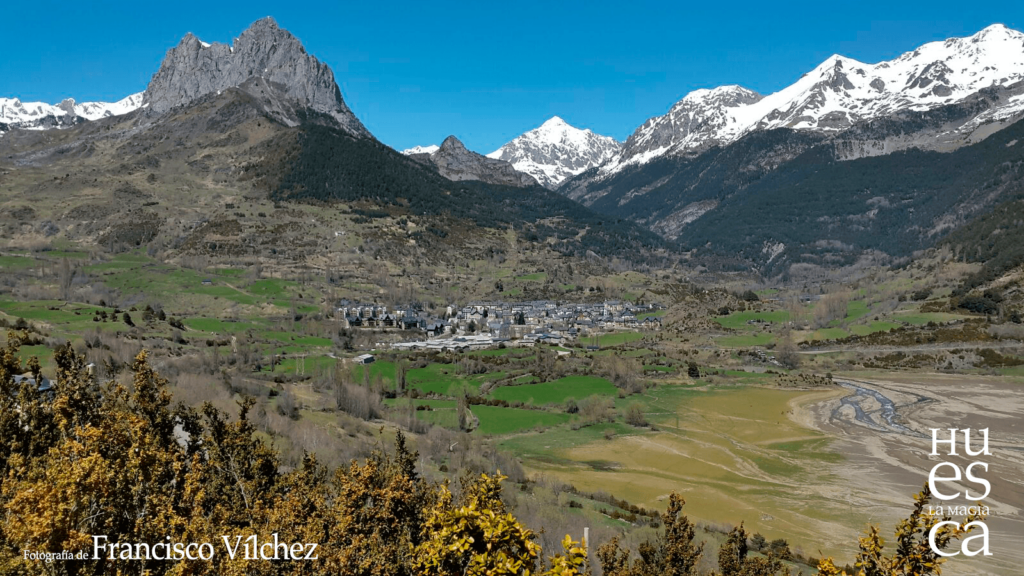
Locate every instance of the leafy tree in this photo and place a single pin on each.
(400, 369)
(462, 409)
(692, 370)
(979, 304)
(476, 536)
(573, 563)
(378, 517)
(913, 553)
(786, 352)
(734, 561)
(674, 554)
(635, 416)
(66, 276)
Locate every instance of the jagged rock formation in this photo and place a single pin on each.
(556, 151)
(455, 162)
(263, 56)
(266, 61)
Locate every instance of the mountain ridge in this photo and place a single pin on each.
(834, 96)
(39, 115)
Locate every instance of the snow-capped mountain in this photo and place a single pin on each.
(39, 116)
(421, 150)
(556, 151)
(837, 94)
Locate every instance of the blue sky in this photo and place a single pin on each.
(415, 72)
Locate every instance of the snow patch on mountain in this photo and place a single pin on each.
(39, 115)
(833, 96)
(556, 151)
(421, 149)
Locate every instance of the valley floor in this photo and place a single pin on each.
(798, 464)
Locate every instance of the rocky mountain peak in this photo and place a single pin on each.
(265, 52)
(67, 105)
(456, 162)
(452, 145)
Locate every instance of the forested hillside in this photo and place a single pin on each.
(995, 239)
(329, 165)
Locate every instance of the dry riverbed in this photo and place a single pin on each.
(883, 429)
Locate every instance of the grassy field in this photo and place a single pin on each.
(828, 334)
(618, 338)
(739, 320)
(216, 325)
(745, 340)
(16, 262)
(732, 452)
(877, 326)
(855, 310)
(44, 354)
(920, 318)
(495, 420)
(65, 319)
(657, 368)
(437, 379)
(536, 277)
(271, 288)
(309, 364)
(557, 391)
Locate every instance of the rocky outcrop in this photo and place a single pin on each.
(193, 69)
(455, 162)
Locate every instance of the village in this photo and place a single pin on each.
(479, 325)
